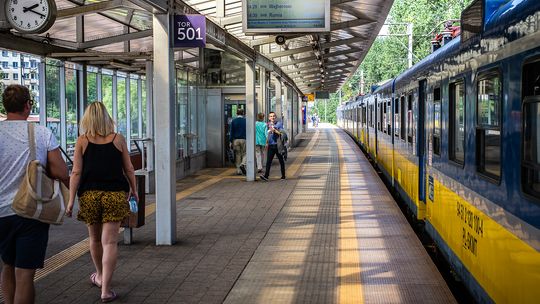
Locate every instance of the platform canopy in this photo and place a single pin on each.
(117, 34)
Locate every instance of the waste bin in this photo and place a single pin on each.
(136, 220)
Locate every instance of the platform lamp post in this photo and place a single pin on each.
(409, 34)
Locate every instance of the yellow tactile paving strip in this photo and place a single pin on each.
(77, 250)
(350, 286)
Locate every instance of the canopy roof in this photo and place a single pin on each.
(117, 34)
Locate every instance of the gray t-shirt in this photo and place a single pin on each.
(15, 155)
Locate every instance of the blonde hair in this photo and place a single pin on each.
(96, 120)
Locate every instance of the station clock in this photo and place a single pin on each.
(30, 16)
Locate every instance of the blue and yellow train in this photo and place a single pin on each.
(458, 136)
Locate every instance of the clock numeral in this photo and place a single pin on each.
(35, 21)
(12, 9)
(42, 17)
(15, 2)
(15, 18)
(43, 8)
(28, 25)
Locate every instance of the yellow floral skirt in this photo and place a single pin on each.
(102, 206)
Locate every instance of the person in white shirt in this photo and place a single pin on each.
(23, 241)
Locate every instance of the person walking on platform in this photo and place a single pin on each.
(275, 130)
(238, 141)
(260, 133)
(23, 241)
(100, 167)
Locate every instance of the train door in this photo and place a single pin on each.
(421, 144)
(229, 113)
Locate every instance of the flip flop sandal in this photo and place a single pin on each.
(93, 280)
(111, 298)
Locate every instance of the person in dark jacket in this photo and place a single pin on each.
(275, 129)
(238, 141)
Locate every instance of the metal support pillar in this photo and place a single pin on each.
(164, 108)
(82, 95)
(128, 111)
(139, 107)
(410, 46)
(42, 92)
(251, 112)
(63, 106)
(150, 113)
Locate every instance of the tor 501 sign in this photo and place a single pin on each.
(189, 31)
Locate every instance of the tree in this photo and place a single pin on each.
(387, 57)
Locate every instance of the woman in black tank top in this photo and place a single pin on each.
(104, 179)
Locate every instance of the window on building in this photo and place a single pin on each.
(15, 64)
(26, 64)
(4, 75)
(5, 64)
(26, 76)
(4, 53)
(15, 76)
(456, 121)
(33, 63)
(14, 54)
(436, 121)
(33, 76)
(488, 126)
(530, 163)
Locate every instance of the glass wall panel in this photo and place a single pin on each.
(223, 68)
(71, 109)
(52, 92)
(122, 113)
(106, 89)
(144, 111)
(181, 111)
(192, 95)
(134, 108)
(91, 87)
(201, 104)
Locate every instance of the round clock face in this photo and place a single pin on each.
(31, 16)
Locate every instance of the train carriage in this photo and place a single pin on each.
(458, 136)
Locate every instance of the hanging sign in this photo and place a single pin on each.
(189, 31)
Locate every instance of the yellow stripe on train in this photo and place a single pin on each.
(506, 267)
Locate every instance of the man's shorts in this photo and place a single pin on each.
(102, 207)
(23, 241)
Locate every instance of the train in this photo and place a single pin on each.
(457, 136)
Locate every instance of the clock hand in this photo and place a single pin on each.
(26, 9)
(33, 11)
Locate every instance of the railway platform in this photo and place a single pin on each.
(330, 233)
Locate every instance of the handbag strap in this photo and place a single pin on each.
(32, 141)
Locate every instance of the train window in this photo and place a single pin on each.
(389, 117)
(488, 130)
(397, 123)
(382, 110)
(383, 118)
(409, 120)
(403, 127)
(437, 121)
(457, 122)
(530, 163)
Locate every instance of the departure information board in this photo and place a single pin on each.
(286, 16)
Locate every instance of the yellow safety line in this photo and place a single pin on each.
(350, 286)
(77, 250)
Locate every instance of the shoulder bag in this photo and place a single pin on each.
(40, 197)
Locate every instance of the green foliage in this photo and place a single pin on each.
(387, 57)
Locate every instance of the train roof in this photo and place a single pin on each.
(509, 13)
